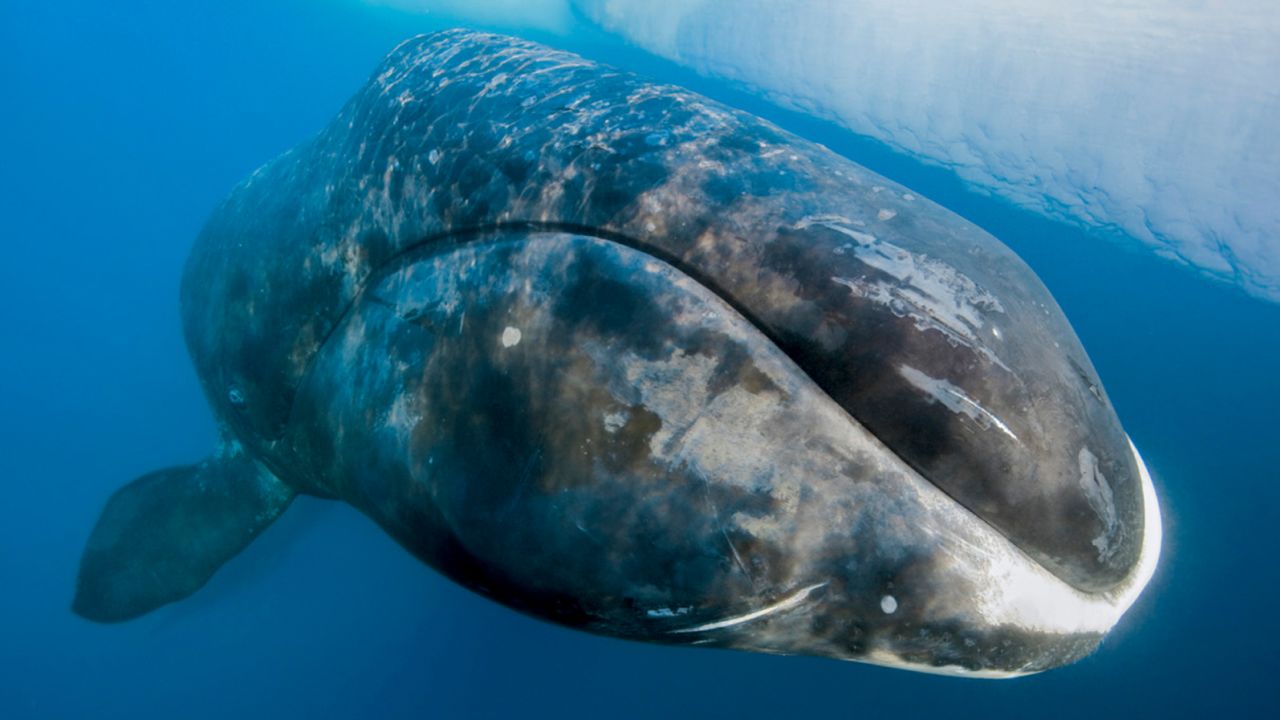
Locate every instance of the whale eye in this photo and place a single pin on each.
(235, 396)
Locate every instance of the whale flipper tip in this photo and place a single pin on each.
(162, 536)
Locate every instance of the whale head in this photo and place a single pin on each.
(610, 442)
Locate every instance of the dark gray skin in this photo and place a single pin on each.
(629, 360)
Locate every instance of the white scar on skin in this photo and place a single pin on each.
(932, 293)
(954, 399)
(786, 603)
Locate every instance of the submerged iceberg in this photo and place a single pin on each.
(1153, 121)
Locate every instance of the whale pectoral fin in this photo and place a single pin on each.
(162, 536)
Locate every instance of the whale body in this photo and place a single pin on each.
(629, 360)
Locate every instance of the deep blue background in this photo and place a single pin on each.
(123, 123)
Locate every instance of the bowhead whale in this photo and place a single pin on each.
(629, 360)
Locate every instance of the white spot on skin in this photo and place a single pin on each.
(433, 157)
(614, 421)
(886, 214)
(889, 604)
(510, 337)
(908, 197)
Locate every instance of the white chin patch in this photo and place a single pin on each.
(1018, 592)
(1021, 593)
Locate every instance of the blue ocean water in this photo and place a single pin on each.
(124, 123)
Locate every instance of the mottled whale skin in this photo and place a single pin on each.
(632, 361)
